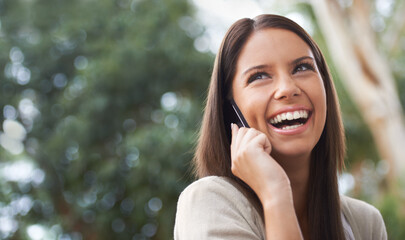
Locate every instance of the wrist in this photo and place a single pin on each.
(280, 194)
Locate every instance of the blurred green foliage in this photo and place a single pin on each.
(393, 213)
(112, 92)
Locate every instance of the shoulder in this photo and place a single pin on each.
(215, 207)
(358, 208)
(213, 187)
(217, 193)
(365, 220)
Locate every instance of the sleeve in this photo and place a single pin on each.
(212, 208)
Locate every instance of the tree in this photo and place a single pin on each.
(114, 89)
(366, 74)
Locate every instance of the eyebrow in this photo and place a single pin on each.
(254, 68)
(265, 66)
(300, 59)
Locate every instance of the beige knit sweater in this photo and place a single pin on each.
(215, 208)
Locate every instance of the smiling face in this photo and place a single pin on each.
(279, 90)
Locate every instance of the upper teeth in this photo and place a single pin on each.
(289, 116)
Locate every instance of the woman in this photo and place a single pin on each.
(277, 179)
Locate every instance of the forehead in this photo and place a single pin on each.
(273, 45)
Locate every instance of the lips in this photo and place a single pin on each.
(290, 120)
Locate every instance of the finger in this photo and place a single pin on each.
(234, 137)
(250, 134)
(262, 141)
(234, 133)
(234, 130)
(267, 146)
(240, 134)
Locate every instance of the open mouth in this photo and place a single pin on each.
(290, 120)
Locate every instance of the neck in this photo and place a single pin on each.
(297, 170)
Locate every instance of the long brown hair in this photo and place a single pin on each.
(212, 156)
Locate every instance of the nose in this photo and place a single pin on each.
(286, 88)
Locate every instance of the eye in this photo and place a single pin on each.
(258, 76)
(302, 67)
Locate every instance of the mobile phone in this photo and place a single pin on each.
(242, 121)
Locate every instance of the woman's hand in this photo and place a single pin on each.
(251, 162)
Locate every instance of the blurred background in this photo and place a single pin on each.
(101, 100)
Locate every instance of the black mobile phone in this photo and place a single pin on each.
(242, 121)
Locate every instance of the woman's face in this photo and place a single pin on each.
(280, 92)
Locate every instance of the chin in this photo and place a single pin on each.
(291, 151)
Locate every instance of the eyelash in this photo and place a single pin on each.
(308, 66)
(254, 76)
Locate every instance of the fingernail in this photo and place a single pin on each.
(231, 126)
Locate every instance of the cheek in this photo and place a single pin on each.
(323, 98)
(318, 89)
(255, 106)
(317, 95)
(322, 105)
